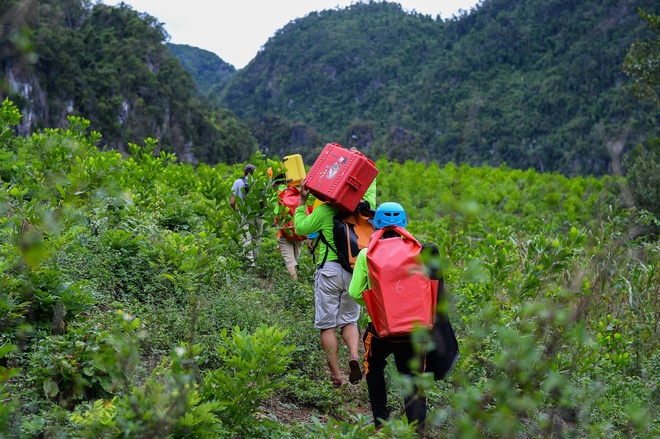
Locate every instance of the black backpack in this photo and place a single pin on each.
(351, 233)
(442, 358)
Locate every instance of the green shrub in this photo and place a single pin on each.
(175, 401)
(8, 401)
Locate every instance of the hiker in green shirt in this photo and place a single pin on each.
(334, 308)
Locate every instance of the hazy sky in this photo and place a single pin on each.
(235, 30)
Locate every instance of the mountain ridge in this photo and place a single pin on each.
(529, 83)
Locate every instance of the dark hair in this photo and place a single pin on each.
(389, 233)
(279, 179)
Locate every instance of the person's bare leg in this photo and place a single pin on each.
(351, 336)
(292, 272)
(330, 346)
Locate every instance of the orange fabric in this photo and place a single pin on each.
(367, 352)
(289, 199)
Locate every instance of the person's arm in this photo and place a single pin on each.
(304, 193)
(360, 279)
(306, 224)
(232, 202)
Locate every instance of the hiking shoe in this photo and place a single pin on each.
(355, 374)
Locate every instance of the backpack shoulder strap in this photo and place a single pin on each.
(327, 245)
(313, 249)
(330, 244)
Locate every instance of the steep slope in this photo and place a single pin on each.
(536, 84)
(335, 68)
(110, 65)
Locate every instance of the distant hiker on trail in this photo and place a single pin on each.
(288, 241)
(391, 265)
(253, 226)
(335, 309)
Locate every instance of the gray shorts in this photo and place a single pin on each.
(334, 307)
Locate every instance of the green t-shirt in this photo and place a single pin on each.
(360, 279)
(370, 195)
(320, 220)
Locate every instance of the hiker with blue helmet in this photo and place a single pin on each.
(390, 221)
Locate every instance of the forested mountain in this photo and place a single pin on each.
(109, 65)
(533, 83)
(208, 70)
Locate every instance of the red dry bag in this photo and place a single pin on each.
(402, 297)
(289, 200)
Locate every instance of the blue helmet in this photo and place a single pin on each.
(390, 214)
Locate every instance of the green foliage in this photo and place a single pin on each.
(211, 74)
(167, 405)
(234, 140)
(9, 402)
(534, 348)
(553, 297)
(360, 427)
(283, 137)
(174, 402)
(68, 367)
(474, 89)
(10, 117)
(111, 64)
(477, 201)
(252, 369)
(395, 84)
(308, 392)
(641, 62)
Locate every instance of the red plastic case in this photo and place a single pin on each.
(340, 176)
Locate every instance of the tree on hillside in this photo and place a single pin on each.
(110, 65)
(642, 64)
(210, 73)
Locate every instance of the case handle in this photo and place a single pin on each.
(353, 182)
